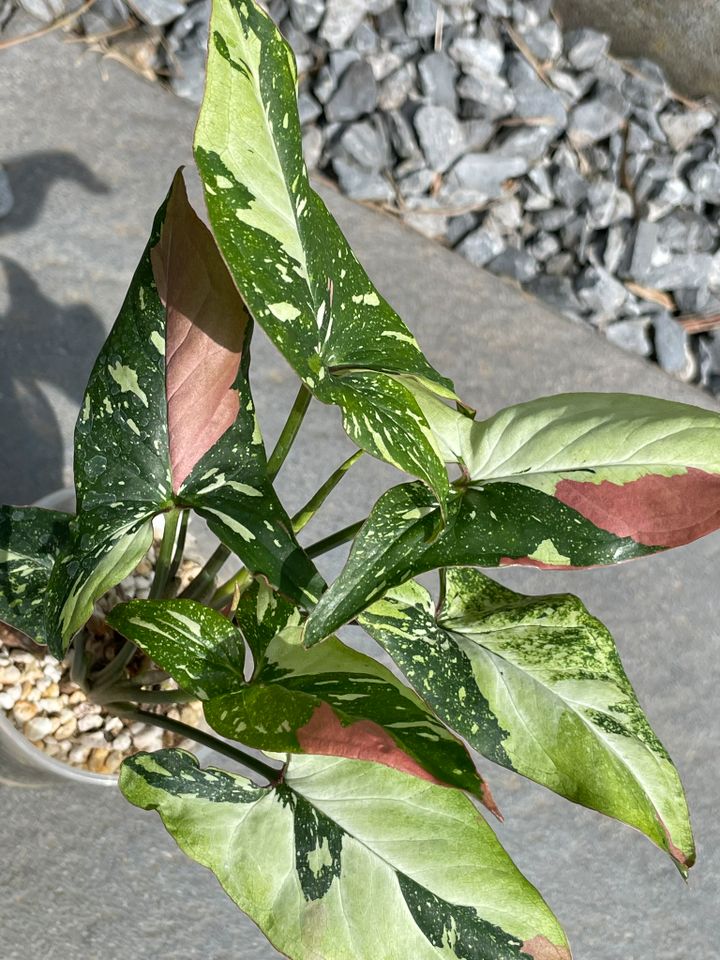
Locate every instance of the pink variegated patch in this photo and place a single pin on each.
(206, 323)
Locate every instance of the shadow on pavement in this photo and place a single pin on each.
(32, 175)
(42, 342)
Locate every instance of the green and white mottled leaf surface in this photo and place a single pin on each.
(200, 648)
(30, 540)
(289, 258)
(331, 700)
(351, 860)
(536, 684)
(168, 419)
(496, 525)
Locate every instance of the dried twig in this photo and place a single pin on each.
(63, 21)
(699, 323)
(653, 295)
(101, 38)
(527, 53)
(439, 27)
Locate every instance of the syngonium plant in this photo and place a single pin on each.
(359, 838)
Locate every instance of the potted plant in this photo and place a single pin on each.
(357, 834)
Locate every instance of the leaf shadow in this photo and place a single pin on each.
(42, 342)
(33, 174)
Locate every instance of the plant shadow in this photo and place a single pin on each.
(32, 175)
(43, 343)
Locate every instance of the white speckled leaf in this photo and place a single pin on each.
(199, 647)
(168, 420)
(290, 260)
(351, 860)
(536, 684)
(30, 541)
(495, 525)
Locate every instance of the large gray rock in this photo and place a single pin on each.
(441, 136)
(157, 13)
(307, 14)
(485, 173)
(682, 127)
(421, 18)
(342, 18)
(584, 48)
(438, 74)
(356, 95)
(672, 347)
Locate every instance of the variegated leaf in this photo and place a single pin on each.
(289, 258)
(168, 420)
(30, 540)
(199, 647)
(351, 860)
(331, 701)
(490, 526)
(536, 684)
(637, 467)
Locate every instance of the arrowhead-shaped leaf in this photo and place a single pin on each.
(637, 467)
(489, 527)
(289, 258)
(536, 684)
(167, 420)
(30, 541)
(351, 860)
(331, 700)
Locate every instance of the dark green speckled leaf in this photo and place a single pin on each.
(495, 525)
(30, 541)
(168, 420)
(367, 862)
(536, 684)
(290, 260)
(331, 700)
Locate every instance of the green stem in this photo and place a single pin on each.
(241, 579)
(334, 540)
(129, 691)
(165, 555)
(79, 663)
(179, 547)
(199, 736)
(205, 580)
(115, 669)
(305, 515)
(289, 431)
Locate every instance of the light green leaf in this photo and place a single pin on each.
(635, 466)
(577, 480)
(30, 541)
(290, 261)
(168, 420)
(351, 860)
(536, 684)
